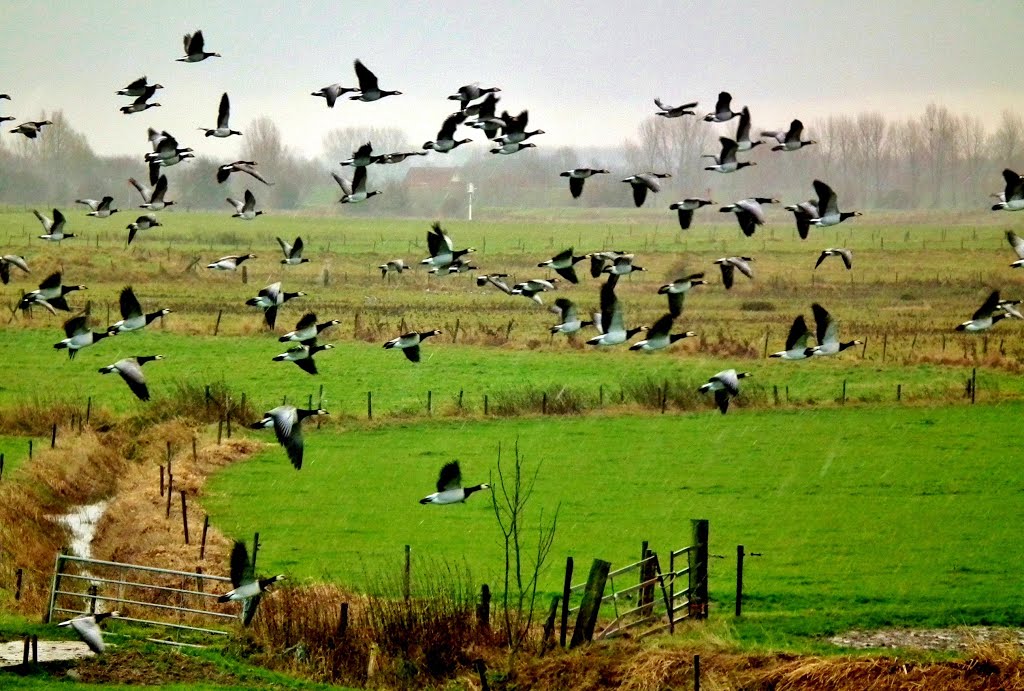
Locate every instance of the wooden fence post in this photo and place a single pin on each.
(899, 392)
(184, 516)
(885, 343)
(485, 407)
(255, 548)
(369, 405)
(483, 609)
(170, 485)
(407, 574)
(216, 327)
(53, 436)
(844, 392)
(696, 673)
(591, 605)
(566, 590)
(430, 402)
(544, 404)
(739, 579)
(343, 620)
(88, 409)
(974, 383)
(202, 546)
(698, 558)
(30, 449)
(161, 481)
(17, 584)
(549, 624)
(1, 466)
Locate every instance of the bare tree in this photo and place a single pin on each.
(1007, 143)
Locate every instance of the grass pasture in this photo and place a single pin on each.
(865, 516)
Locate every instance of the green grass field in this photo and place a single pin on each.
(865, 516)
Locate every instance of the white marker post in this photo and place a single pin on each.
(469, 190)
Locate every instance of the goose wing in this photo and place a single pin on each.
(359, 180)
(1014, 185)
(195, 43)
(307, 364)
(223, 112)
(58, 222)
(89, 631)
(157, 195)
(1016, 242)
(130, 306)
(566, 309)
(346, 188)
(796, 129)
(241, 569)
(76, 325)
(729, 380)
(289, 434)
(847, 257)
(285, 247)
(988, 307)
(447, 130)
(576, 186)
(250, 201)
(611, 309)
(146, 192)
(450, 477)
(724, 102)
(131, 372)
(51, 282)
(247, 167)
(367, 79)
(743, 130)
(728, 272)
(363, 151)
(662, 326)
(827, 202)
(728, 154)
(798, 334)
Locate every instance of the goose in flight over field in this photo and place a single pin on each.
(132, 316)
(247, 167)
(723, 109)
(165, 146)
(986, 315)
(32, 128)
(641, 182)
(449, 487)
(486, 119)
(562, 263)
(828, 207)
(354, 192)
(612, 322)
(392, 266)
(269, 299)
(446, 141)
(302, 355)
(9, 260)
(796, 341)
(399, 156)
(533, 288)
(245, 210)
(138, 87)
(292, 252)
(55, 228)
(93, 204)
(827, 332)
(332, 92)
(471, 92)
(1013, 196)
(728, 265)
(726, 160)
(514, 128)
(622, 265)
(686, 208)
(658, 336)
(804, 213)
(142, 102)
(1018, 247)
(88, 629)
(674, 111)
(307, 329)
(743, 141)
(103, 209)
(442, 252)
(841, 252)
(512, 148)
(230, 262)
(725, 385)
(152, 197)
(677, 290)
(368, 88)
(409, 343)
(144, 222)
(247, 588)
(749, 213)
(194, 44)
(130, 370)
(79, 335)
(287, 423)
(577, 176)
(789, 140)
(362, 157)
(222, 130)
(569, 321)
(496, 280)
(50, 294)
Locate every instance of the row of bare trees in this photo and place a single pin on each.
(936, 160)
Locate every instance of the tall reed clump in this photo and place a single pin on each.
(531, 400)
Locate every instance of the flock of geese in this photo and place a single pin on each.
(508, 134)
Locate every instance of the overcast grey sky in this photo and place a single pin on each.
(587, 71)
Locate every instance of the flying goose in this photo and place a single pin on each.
(827, 332)
(306, 330)
(512, 147)
(88, 629)
(362, 157)
(223, 113)
(1009, 306)
(79, 335)
(1018, 246)
(828, 206)
(471, 92)
(728, 266)
(132, 316)
(356, 191)
(674, 111)
(54, 229)
(562, 263)
(790, 139)
(804, 213)
(677, 290)
(446, 141)
(269, 299)
(152, 197)
(142, 102)
(727, 162)
(749, 213)
(796, 341)
(103, 209)
(302, 355)
(331, 93)
(442, 252)
(130, 370)
(50, 294)
(93, 204)
(985, 317)
(230, 262)
(459, 266)
(533, 288)
(245, 210)
(138, 87)
(247, 588)
(287, 423)
(569, 321)
(399, 156)
(612, 322)
(144, 222)
(368, 88)
(496, 281)
(514, 130)
(194, 48)
(165, 147)
(486, 119)
(641, 182)
(292, 252)
(577, 176)
(842, 252)
(658, 336)
(743, 141)
(9, 260)
(1013, 195)
(686, 208)
(598, 261)
(622, 265)
(392, 266)
(725, 384)
(409, 343)
(723, 109)
(32, 128)
(247, 167)
(449, 487)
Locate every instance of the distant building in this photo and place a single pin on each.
(432, 179)
(433, 190)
